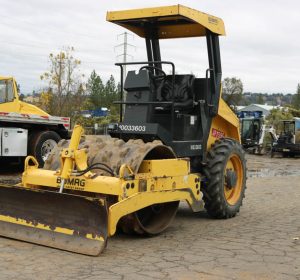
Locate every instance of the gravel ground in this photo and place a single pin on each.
(262, 242)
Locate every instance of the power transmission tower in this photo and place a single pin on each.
(124, 46)
(124, 56)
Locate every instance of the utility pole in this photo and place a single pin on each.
(124, 55)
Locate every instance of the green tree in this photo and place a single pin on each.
(101, 95)
(294, 112)
(65, 81)
(276, 117)
(296, 98)
(96, 92)
(111, 91)
(260, 99)
(112, 94)
(18, 88)
(78, 99)
(232, 91)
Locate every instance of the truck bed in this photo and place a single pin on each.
(34, 119)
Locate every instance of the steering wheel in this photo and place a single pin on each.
(163, 75)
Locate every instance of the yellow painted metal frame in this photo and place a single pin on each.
(132, 194)
(226, 122)
(18, 106)
(185, 22)
(45, 227)
(159, 181)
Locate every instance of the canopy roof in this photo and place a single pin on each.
(171, 21)
(5, 78)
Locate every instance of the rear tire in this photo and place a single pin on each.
(41, 144)
(225, 185)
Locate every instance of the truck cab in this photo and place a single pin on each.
(6, 90)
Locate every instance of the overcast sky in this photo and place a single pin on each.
(262, 46)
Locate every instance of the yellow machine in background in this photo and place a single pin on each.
(176, 141)
(10, 100)
(26, 129)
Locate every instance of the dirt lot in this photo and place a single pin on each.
(262, 242)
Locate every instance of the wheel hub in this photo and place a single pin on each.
(230, 179)
(47, 147)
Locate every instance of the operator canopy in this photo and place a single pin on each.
(171, 21)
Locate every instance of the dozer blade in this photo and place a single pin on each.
(64, 221)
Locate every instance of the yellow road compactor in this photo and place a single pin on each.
(176, 141)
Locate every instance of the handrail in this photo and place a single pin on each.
(121, 64)
(144, 102)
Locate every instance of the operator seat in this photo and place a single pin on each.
(183, 91)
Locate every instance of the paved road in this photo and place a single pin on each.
(262, 242)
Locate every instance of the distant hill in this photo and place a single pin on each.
(274, 99)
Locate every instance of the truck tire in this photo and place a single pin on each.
(225, 184)
(41, 145)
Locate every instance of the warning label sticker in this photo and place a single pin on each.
(217, 133)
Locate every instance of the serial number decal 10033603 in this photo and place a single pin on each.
(137, 128)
